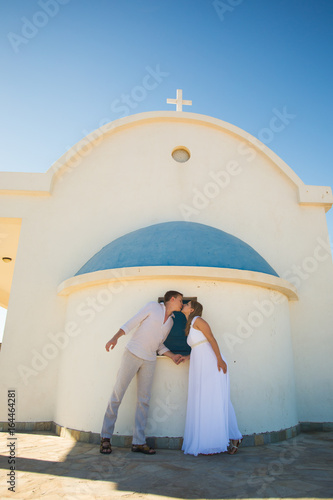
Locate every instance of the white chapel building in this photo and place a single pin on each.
(157, 201)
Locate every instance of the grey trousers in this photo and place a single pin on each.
(144, 370)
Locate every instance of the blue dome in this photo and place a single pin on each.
(178, 244)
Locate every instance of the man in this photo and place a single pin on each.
(153, 323)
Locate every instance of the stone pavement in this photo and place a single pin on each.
(51, 467)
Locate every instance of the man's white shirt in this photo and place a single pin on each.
(151, 331)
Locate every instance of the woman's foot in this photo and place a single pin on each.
(234, 445)
(105, 446)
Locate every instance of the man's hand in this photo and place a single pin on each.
(113, 342)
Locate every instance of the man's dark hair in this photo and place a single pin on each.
(170, 294)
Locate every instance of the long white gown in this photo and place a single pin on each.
(210, 416)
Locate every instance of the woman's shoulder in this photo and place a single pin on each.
(197, 322)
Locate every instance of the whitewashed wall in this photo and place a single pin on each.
(128, 181)
(256, 345)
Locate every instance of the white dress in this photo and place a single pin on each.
(210, 416)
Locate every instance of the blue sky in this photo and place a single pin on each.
(69, 65)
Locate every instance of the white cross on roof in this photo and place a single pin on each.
(179, 101)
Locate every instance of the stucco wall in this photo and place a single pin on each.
(256, 347)
(130, 180)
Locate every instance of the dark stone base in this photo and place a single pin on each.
(170, 443)
(316, 426)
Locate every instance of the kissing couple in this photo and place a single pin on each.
(211, 425)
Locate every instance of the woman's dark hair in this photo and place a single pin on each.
(170, 294)
(197, 312)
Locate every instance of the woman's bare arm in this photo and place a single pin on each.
(203, 326)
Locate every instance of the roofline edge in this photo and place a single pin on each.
(125, 274)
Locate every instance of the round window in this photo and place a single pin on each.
(181, 154)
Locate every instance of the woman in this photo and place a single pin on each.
(210, 419)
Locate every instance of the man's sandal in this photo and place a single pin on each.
(105, 446)
(143, 448)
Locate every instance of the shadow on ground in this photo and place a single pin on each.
(52, 467)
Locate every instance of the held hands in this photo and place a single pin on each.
(177, 358)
